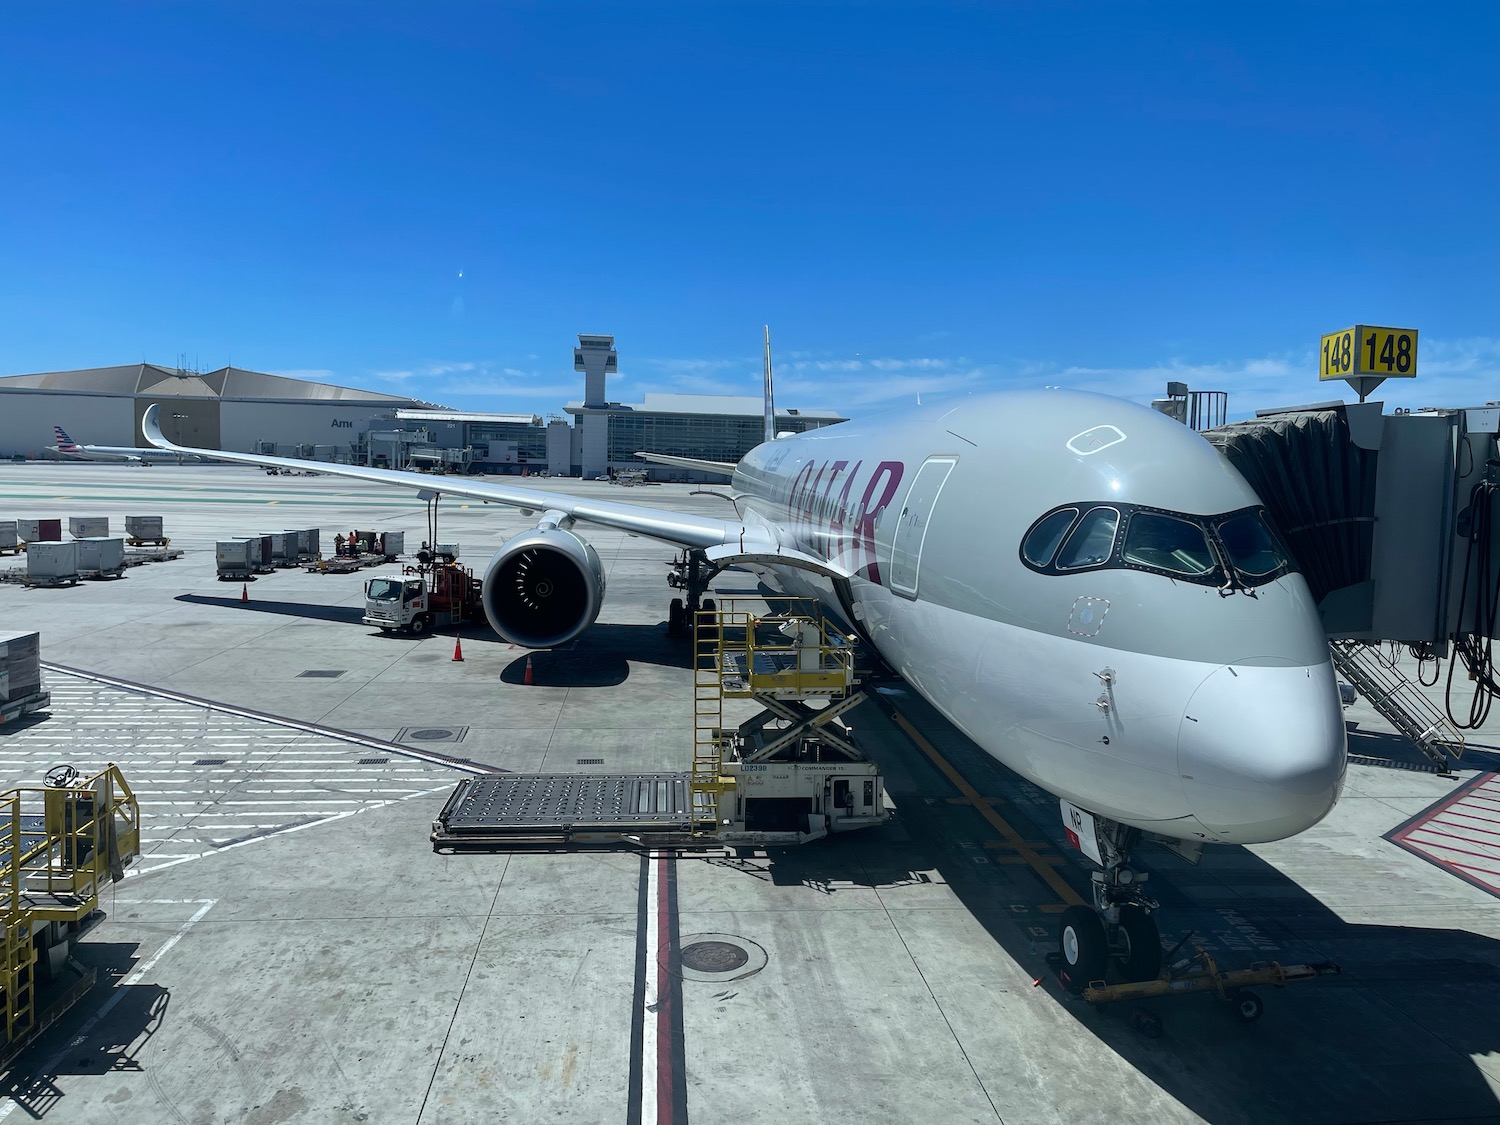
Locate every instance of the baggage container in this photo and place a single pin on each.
(100, 557)
(39, 531)
(51, 562)
(88, 527)
(20, 664)
(395, 545)
(313, 549)
(260, 553)
(143, 527)
(232, 558)
(306, 548)
(283, 548)
(8, 537)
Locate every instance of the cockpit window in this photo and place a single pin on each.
(1092, 541)
(1041, 541)
(1233, 550)
(1251, 545)
(1167, 543)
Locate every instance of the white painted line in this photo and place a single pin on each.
(118, 994)
(649, 1048)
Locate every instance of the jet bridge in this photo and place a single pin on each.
(787, 774)
(1393, 519)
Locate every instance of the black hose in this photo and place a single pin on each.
(1476, 649)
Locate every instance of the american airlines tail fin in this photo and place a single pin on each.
(770, 432)
(65, 444)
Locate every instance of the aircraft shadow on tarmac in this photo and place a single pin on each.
(118, 1042)
(1391, 1039)
(600, 658)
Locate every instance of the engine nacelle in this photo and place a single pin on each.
(543, 588)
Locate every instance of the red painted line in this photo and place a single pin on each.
(1461, 851)
(664, 1078)
(1465, 827)
(1482, 871)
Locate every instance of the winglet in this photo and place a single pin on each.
(770, 403)
(151, 427)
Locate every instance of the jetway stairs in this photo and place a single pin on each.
(60, 844)
(1399, 701)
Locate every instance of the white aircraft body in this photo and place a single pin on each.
(1083, 586)
(72, 450)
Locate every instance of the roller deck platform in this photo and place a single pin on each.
(566, 808)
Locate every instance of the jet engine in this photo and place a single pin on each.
(543, 588)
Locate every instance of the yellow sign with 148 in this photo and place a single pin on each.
(1390, 353)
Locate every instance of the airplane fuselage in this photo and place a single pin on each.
(1175, 692)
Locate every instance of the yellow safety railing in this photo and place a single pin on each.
(707, 780)
(774, 650)
(59, 844)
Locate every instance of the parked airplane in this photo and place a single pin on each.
(71, 449)
(1085, 587)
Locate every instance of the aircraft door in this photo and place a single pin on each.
(911, 525)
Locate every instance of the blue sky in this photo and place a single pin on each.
(434, 199)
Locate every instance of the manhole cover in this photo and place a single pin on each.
(718, 958)
(713, 957)
(431, 734)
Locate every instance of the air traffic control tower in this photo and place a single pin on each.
(596, 357)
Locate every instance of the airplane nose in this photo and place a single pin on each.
(1261, 750)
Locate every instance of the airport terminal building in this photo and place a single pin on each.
(255, 412)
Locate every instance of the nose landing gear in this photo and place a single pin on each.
(1119, 931)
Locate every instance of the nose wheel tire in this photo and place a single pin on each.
(676, 617)
(1139, 952)
(1084, 948)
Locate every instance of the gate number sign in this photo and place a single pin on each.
(1390, 353)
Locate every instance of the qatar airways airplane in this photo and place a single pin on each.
(1083, 586)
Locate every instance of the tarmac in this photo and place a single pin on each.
(288, 948)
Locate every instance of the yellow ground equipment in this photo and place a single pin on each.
(1201, 973)
(60, 844)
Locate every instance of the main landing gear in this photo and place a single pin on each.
(691, 573)
(1119, 931)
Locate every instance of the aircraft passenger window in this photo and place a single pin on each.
(1092, 541)
(1251, 545)
(1041, 541)
(1165, 543)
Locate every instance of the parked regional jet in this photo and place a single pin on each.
(1083, 586)
(71, 449)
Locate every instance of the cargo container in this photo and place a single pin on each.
(39, 531)
(283, 548)
(100, 557)
(395, 545)
(232, 558)
(313, 549)
(260, 553)
(9, 540)
(20, 674)
(88, 527)
(50, 562)
(144, 527)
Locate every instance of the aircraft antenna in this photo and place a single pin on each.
(769, 396)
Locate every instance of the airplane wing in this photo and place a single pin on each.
(679, 528)
(724, 468)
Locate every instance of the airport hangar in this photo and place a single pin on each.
(251, 411)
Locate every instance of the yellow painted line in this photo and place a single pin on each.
(1027, 853)
(270, 502)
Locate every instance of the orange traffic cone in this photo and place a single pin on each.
(458, 649)
(527, 678)
(244, 591)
